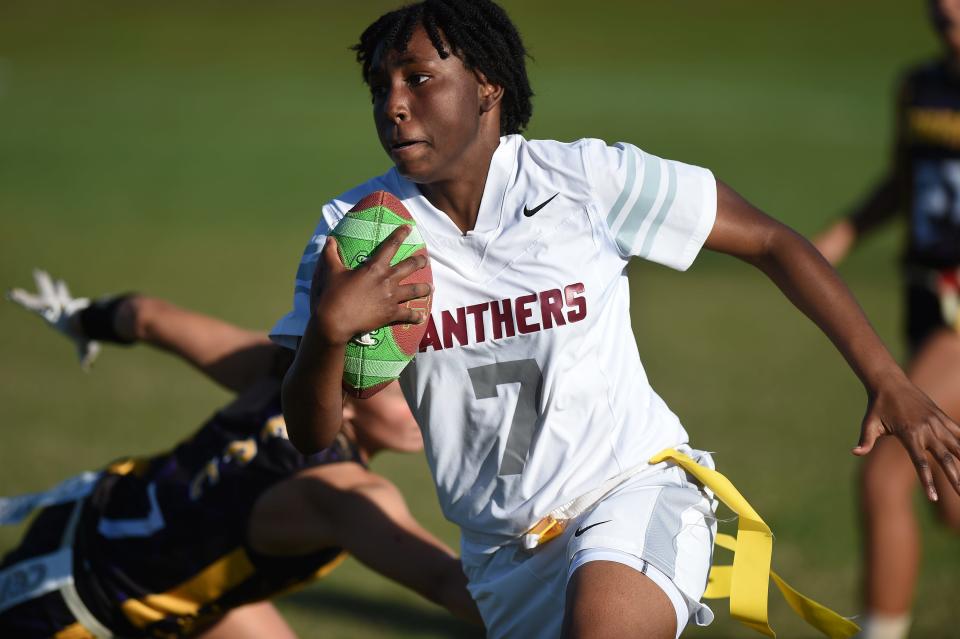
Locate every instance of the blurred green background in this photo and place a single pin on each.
(184, 149)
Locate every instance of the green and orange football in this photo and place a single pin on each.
(375, 359)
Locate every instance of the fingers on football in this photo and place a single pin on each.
(408, 292)
(331, 257)
(389, 247)
(406, 315)
(409, 266)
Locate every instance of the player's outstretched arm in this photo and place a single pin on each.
(896, 406)
(227, 354)
(231, 356)
(347, 506)
(344, 303)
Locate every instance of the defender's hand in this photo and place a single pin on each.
(57, 307)
(348, 302)
(901, 409)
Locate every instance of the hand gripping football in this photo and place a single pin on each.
(375, 359)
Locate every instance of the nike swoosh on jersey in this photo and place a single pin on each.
(531, 212)
(580, 531)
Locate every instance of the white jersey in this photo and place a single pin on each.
(528, 385)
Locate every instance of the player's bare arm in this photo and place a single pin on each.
(895, 405)
(229, 355)
(345, 303)
(347, 506)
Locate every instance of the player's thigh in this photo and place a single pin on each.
(936, 371)
(253, 621)
(610, 600)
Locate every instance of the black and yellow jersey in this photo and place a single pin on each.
(160, 548)
(929, 157)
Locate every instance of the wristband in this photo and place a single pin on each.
(97, 320)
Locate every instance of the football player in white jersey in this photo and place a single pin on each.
(528, 385)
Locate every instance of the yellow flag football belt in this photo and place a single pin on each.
(746, 581)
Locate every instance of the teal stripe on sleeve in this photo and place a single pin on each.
(664, 209)
(627, 187)
(644, 204)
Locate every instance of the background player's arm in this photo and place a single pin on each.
(896, 406)
(881, 203)
(345, 505)
(344, 303)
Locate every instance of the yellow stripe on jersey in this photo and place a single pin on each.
(934, 126)
(74, 631)
(187, 598)
(746, 582)
(320, 573)
(136, 466)
(328, 567)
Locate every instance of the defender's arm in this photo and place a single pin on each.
(346, 506)
(229, 355)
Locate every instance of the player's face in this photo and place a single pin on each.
(946, 20)
(385, 421)
(428, 111)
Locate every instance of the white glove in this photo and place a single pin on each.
(54, 304)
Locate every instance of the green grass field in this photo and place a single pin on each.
(184, 149)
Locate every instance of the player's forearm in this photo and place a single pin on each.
(229, 355)
(313, 394)
(814, 287)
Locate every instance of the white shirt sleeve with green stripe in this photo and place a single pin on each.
(660, 210)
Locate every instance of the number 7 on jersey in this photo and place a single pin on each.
(527, 373)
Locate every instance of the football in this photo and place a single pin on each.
(375, 359)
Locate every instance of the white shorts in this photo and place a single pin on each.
(661, 524)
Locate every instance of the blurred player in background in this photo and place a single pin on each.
(194, 541)
(528, 384)
(923, 182)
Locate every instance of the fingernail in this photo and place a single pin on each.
(933, 494)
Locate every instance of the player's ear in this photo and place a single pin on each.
(490, 93)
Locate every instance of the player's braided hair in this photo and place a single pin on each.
(479, 32)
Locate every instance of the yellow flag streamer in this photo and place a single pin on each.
(746, 581)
